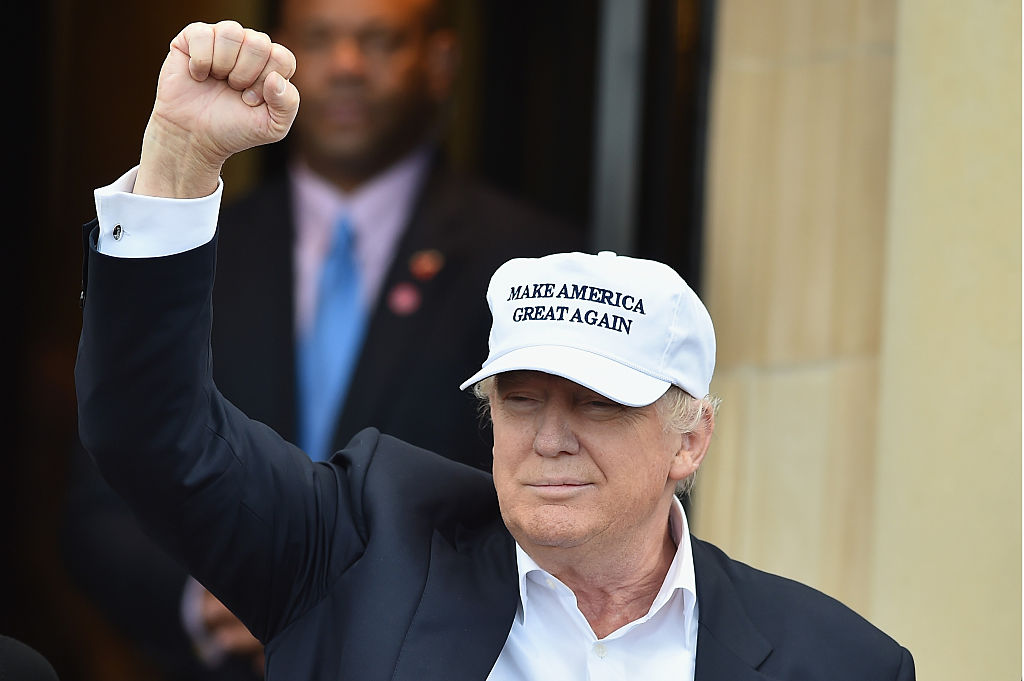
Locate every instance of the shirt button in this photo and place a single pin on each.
(600, 650)
(118, 232)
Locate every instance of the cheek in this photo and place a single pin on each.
(400, 85)
(508, 445)
(504, 471)
(645, 464)
(513, 448)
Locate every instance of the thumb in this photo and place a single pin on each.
(282, 100)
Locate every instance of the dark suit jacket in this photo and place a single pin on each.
(406, 382)
(388, 562)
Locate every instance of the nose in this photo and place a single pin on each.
(555, 435)
(347, 56)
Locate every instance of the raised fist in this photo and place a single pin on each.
(222, 89)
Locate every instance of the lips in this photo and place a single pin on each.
(345, 113)
(559, 489)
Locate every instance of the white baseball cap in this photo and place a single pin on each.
(623, 327)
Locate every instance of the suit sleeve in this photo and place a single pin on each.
(252, 518)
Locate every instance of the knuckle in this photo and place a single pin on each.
(230, 30)
(197, 33)
(283, 58)
(257, 38)
(257, 44)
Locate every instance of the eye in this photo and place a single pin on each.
(516, 402)
(379, 42)
(600, 408)
(315, 39)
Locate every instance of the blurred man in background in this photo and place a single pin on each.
(365, 205)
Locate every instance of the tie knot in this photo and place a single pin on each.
(344, 236)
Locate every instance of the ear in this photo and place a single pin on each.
(693, 446)
(441, 63)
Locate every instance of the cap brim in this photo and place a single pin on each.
(604, 376)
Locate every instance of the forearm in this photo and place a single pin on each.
(225, 494)
(143, 364)
(150, 415)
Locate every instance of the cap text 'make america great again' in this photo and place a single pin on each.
(584, 292)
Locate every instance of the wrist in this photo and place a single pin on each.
(174, 165)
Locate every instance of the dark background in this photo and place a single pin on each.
(83, 85)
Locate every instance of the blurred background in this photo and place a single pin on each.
(839, 180)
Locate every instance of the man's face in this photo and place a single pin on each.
(370, 73)
(573, 468)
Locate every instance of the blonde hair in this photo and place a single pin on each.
(683, 413)
(679, 411)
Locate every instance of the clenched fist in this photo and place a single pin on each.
(222, 89)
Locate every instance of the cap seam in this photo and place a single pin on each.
(671, 331)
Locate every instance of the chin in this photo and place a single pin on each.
(346, 147)
(550, 526)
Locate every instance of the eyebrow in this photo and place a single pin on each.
(510, 379)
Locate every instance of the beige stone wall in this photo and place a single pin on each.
(798, 187)
(946, 568)
(863, 271)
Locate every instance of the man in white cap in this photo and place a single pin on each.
(574, 561)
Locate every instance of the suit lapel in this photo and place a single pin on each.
(387, 349)
(729, 646)
(717, 661)
(466, 611)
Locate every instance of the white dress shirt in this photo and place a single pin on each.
(551, 639)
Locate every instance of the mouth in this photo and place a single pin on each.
(343, 111)
(559, 489)
(343, 115)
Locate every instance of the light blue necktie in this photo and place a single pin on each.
(327, 354)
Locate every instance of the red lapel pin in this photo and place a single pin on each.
(404, 299)
(425, 264)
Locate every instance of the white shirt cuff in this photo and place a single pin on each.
(136, 226)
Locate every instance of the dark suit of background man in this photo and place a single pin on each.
(374, 76)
